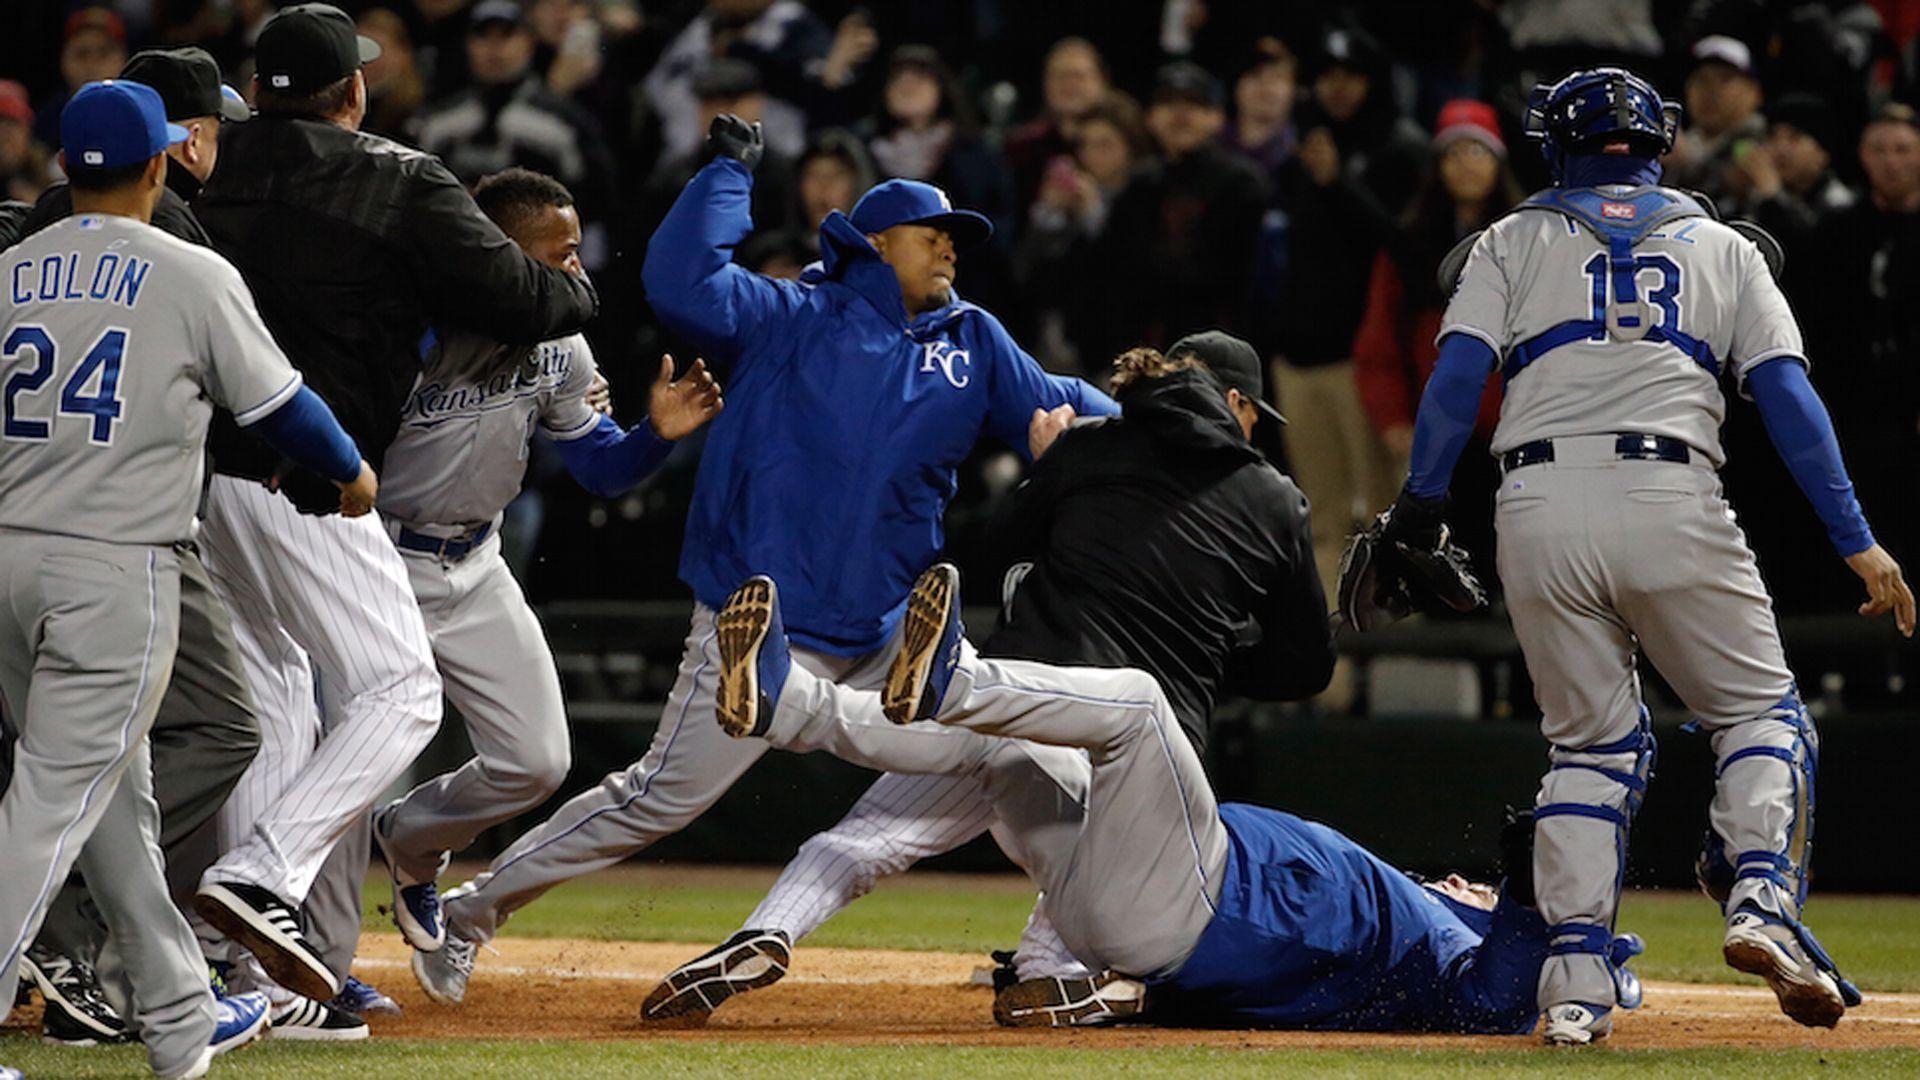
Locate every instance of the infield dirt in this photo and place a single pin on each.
(591, 990)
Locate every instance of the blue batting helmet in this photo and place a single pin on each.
(1590, 108)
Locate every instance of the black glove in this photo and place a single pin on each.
(730, 136)
(1405, 562)
(1415, 521)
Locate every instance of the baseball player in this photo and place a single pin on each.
(1614, 309)
(118, 342)
(854, 394)
(1219, 915)
(459, 458)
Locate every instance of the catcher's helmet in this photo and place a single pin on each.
(1588, 109)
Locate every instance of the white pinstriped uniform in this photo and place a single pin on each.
(321, 599)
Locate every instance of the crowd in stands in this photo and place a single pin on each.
(1288, 171)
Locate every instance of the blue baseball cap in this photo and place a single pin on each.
(115, 122)
(910, 202)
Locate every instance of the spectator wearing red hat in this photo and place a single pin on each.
(25, 165)
(1469, 185)
(94, 47)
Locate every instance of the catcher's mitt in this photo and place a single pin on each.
(1405, 561)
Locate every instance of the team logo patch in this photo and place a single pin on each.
(1618, 210)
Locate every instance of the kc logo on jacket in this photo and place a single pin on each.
(950, 360)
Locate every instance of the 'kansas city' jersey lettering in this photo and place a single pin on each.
(117, 342)
(461, 453)
(1535, 270)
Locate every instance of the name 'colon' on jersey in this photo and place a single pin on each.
(1536, 269)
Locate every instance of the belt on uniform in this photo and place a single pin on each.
(1626, 447)
(450, 548)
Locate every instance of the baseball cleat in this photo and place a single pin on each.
(443, 973)
(238, 1020)
(77, 1013)
(754, 658)
(930, 636)
(749, 960)
(1575, 1023)
(1810, 990)
(416, 904)
(306, 1020)
(11, 1074)
(363, 999)
(265, 925)
(1087, 1001)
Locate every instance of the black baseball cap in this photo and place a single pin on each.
(188, 81)
(308, 46)
(1234, 362)
(496, 12)
(1184, 80)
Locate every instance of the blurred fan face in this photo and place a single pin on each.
(1890, 154)
(1265, 94)
(1182, 126)
(91, 55)
(749, 107)
(1470, 171)
(913, 97)
(1103, 151)
(1799, 156)
(1341, 91)
(13, 144)
(396, 56)
(498, 52)
(1073, 82)
(827, 184)
(1720, 98)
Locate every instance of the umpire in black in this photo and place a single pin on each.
(1162, 539)
(205, 734)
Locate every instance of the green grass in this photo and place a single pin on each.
(683, 1061)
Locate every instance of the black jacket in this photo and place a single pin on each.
(353, 246)
(1156, 539)
(171, 215)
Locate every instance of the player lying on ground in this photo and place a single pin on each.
(459, 458)
(1229, 915)
(853, 396)
(1157, 540)
(142, 335)
(1614, 309)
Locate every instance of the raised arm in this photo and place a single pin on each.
(1020, 385)
(689, 274)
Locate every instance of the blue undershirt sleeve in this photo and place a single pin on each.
(1802, 432)
(608, 461)
(1448, 409)
(305, 432)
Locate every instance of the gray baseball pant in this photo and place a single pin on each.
(1130, 882)
(1600, 557)
(88, 632)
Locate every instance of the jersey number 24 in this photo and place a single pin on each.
(101, 403)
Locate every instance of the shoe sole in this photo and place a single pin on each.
(1804, 1002)
(687, 997)
(1050, 1003)
(49, 992)
(307, 1034)
(928, 607)
(742, 627)
(243, 1037)
(427, 987)
(286, 962)
(416, 935)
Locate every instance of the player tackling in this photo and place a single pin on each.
(1614, 308)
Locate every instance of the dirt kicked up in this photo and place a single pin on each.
(591, 990)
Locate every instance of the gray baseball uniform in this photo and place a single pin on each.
(460, 457)
(118, 341)
(1602, 554)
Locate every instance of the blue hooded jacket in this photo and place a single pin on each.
(833, 462)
